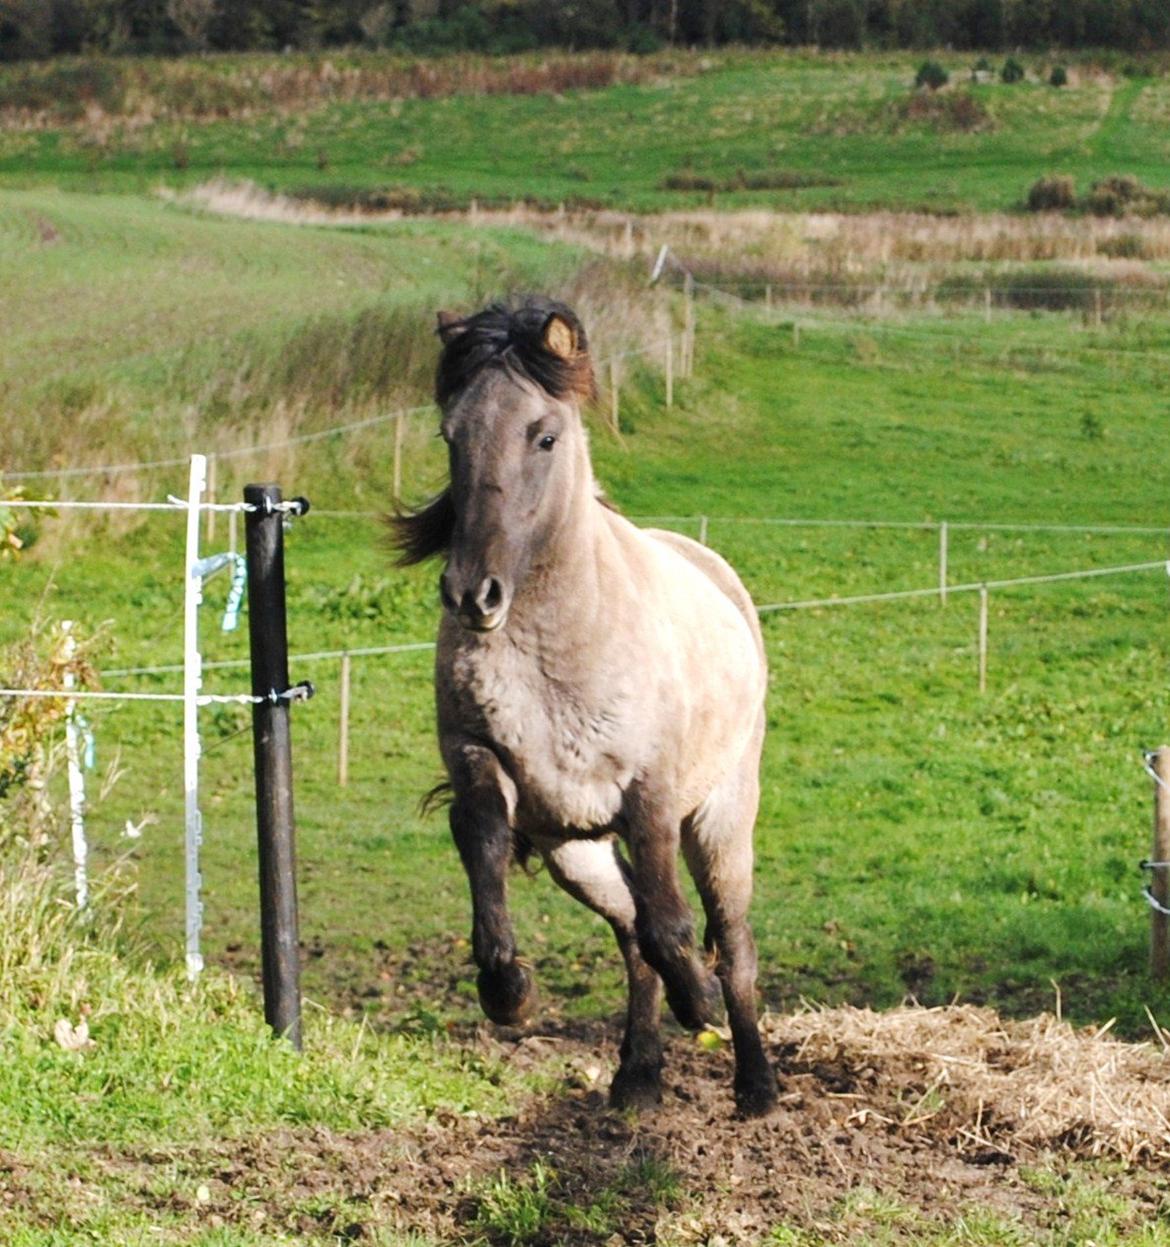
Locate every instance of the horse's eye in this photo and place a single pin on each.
(547, 442)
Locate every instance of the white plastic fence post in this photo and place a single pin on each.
(702, 530)
(76, 779)
(983, 638)
(192, 682)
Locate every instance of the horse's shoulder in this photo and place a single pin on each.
(714, 567)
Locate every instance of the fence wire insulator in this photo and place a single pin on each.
(1148, 865)
(1155, 904)
(304, 691)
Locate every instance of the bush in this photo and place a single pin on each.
(1124, 195)
(1012, 70)
(932, 75)
(1058, 77)
(1055, 192)
(958, 111)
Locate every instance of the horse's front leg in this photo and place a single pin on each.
(481, 814)
(663, 921)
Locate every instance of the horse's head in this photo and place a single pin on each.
(510, 383)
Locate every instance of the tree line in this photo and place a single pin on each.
(44, 28)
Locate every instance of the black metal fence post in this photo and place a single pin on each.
(272, 741)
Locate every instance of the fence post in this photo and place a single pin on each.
(614, 413)
(688, 349)
(702, 530)
(212, 485)
(192, 748)
(76, 776)
(942, 563)
(669, 369)
(1160, 875)
(987, 304)
(398, 432)
(768, 296)
(343, 725)
(983, 638)
(272, 742)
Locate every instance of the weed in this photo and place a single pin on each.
(516, 1211)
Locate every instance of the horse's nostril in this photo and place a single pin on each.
(492, 595)
(446, 595)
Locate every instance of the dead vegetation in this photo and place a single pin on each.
(89, 92)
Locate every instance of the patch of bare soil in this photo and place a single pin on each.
(938, 1110)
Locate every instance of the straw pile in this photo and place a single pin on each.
(986, 1082)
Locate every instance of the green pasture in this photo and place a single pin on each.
(915, 837)
(820, 131)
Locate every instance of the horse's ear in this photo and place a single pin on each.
(449, 325)
(560, 337)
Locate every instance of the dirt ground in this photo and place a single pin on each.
(929, 1112)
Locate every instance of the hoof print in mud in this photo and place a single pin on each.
(507, 995)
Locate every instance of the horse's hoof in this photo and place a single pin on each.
(636, 1087)
(757, 1098)
(507, 995)
(694, 1003)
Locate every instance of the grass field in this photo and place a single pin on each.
(816, 131)
(915, 838)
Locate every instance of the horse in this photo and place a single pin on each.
(597, 686)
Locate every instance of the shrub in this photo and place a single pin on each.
(959, 111)
(932, 75)
(1058, 77)
(1055, 192)
(1124, 195)
(1012, 70)
(1124, 247)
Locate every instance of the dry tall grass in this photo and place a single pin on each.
(87, 92)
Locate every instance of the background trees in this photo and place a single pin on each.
(40, 28)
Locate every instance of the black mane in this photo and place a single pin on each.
(513, 334)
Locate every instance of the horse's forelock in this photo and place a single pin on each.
(514, 334)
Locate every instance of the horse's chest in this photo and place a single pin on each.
(568, 752)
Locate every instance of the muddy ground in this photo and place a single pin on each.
(906, 1119)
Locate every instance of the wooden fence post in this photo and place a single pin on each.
(1160, 874)
(942, 563)
(272, 743)
(688, 353)
(983, 638)
(399, 422)
(343, 724)
(669, 369)
(614, 413)
(212, 483)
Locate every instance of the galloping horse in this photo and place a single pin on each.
(596, 683)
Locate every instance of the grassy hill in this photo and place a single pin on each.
(791, 130)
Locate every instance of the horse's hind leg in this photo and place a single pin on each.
(717, 843)
(481, 827)
(593, 872)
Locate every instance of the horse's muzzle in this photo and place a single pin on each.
(483, 609)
